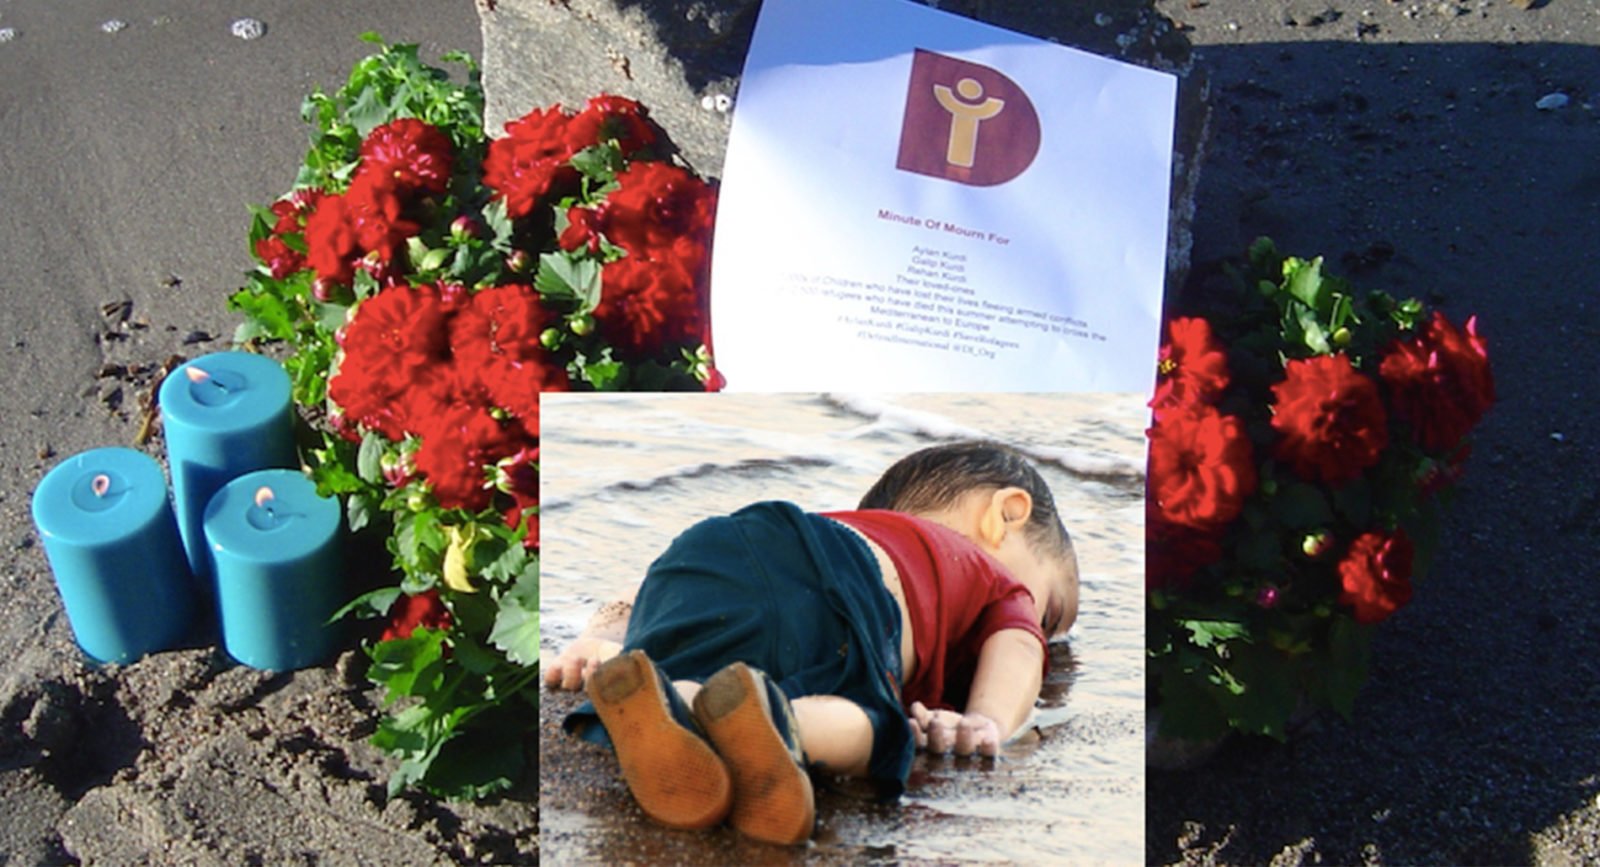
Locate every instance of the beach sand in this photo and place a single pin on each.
(1402, 140)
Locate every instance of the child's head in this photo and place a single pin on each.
(992, 495)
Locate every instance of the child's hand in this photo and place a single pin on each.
(944, 731)
(572, 668)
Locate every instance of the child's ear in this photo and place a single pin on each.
(1006, 506)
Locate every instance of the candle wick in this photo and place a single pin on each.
(101, 485)
(198, 375)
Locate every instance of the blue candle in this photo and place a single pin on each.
(279, 577)
(223, 415)
(112, 542)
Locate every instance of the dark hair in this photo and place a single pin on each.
(938, 475)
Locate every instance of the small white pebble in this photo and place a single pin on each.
(248, 28)
(723, 103)
(1101, 19)
(708, 102)
(115, 25)
(1552, 101)
(1234, 26)
(7, 34)
(1559, 437)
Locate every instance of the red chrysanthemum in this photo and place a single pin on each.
(331, 243)
(410, 613)
(1193, 366)
(660, 211)
(1331, 421)
(518, 476)
(1173, 552)
(461, 439)
(376, 210)
(1375, 575)
(281, 259)
(646, 305)
(497, 336)
(611, 118)
(1440, 382)
(530, 160)
(396, 341)
(1201, 467)
(409, 155)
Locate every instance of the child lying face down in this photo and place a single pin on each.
(771, 640)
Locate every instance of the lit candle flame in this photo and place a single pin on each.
(101, 485)
(195, 374)
(264, 496)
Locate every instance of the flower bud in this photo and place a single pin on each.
(1316, 544)
(1341, 338)
(1267, 597)
(463, 228)
(416, 501)
(550, 338)
(582, 326)
(519, 262)
(325, 290)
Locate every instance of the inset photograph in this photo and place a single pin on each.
(850, 626)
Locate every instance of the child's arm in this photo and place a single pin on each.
(600, 640)
(1006, 685)
(1004, 688)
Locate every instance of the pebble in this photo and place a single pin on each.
(1552, 101)
(115, 25)
(248, 28)
(7, 34)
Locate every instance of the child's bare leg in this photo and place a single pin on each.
(835, 732)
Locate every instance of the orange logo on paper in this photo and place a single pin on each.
(966, 123)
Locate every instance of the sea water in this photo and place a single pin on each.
(621, 475)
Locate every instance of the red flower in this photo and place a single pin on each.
(1173, 552)
(646, 305)
(280, 259)
(331, 243)
(367, 219)
(1330, 418)
(518, 476)
(410, 613)
(408, 155)
(391, 347)
(498, 337)
(611, 118)
(1201, 467)
(1193, 366)
(461, 439)
(1440, 382)
(1376, 575)
(584, 227)
(530, 161)
(660, 211)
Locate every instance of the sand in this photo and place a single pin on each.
(1402, 140)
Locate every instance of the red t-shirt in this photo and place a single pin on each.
(957, 596)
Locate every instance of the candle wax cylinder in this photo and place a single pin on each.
(112, 541)
(224, 415)
(275, 546)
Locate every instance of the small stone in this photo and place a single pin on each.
(194, 337)
(1309, 14)
(1101, 19)
(1558, 437)
(248, 28)
(1552, 101)
(115, 25)
(7, 34)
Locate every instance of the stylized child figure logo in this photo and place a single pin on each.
(966, 123)
(966, 112)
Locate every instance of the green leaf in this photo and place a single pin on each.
(1311, 331)
(604, 375)
(367, 112)
(409, 666)
(476, 767)
(516, 627)
(369, 605)
(369, 460)
(358, 512)
(498, 224)
(570, 277)
(371, 36)
(599, 163)
(1205, 633)
(1304, 282)
(1302, 507)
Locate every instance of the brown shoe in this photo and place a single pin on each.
(674, 774)
(752, 726)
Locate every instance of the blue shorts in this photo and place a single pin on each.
(792, 593)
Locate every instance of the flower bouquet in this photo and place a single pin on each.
(428, 284)
(1304, 439)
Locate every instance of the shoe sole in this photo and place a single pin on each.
(675, 776)
(772, 797)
